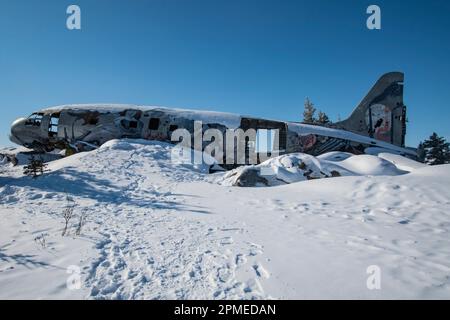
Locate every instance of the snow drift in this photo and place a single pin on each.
(297, 167)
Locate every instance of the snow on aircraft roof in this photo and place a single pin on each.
(231, 120)
(101, 107)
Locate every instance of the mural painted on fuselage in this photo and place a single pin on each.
(379, 122)
(316, 144)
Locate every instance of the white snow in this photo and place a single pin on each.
(401, 162)
(297, 167)
(370, 165)
(22, 155)
(335, 156)
(162, 230)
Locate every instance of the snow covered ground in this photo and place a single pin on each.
(159, 230)
(295, 167)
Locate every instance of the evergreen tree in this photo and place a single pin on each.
(35, 168)
(309, 112)
(436, 149)
(421, 152)
(323, 118)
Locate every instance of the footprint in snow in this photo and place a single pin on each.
(240, 259)
(261, 271)
(226, 241)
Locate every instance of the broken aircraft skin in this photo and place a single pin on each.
(378, 121)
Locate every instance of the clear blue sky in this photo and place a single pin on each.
(254, 57)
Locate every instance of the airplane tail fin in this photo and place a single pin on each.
(381, 114)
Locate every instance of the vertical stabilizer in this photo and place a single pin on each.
(381, 114)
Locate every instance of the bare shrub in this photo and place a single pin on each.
(41, 240)
(81, 222)
(68, 214)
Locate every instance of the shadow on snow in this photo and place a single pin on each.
(85, 185)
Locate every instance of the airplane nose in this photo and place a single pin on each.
(17, 122)
(17, 125)
(15, 129)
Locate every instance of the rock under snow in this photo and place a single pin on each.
(297, 167)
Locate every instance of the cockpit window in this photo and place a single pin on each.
(34, 120)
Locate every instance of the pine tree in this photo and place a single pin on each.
(323, 118)
(421, 152)
(35, 168)
(437, 150)
(309, 112)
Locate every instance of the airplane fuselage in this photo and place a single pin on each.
(378, 121)
(84, 127)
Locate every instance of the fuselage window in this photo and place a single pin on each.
(153, 124)
(127, 124)
(133, 124)
(173, 127)
(92, 121)
(53, 125)
(34, 120)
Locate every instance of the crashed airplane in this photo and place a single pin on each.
(378, 121)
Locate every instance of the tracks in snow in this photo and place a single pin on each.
(163, 247)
